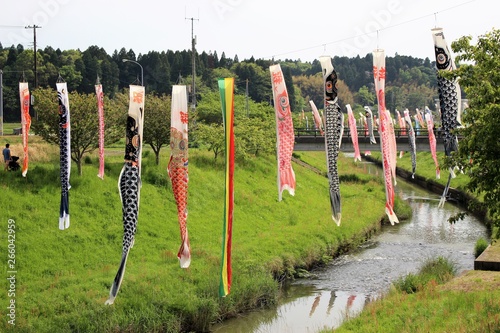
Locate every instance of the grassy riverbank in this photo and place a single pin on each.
(63, 277)
(467, 303)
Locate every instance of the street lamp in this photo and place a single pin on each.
(142, 71)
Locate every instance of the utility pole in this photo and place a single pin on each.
(34, 27)
(1, 102)
(193, 58)
(246, 97)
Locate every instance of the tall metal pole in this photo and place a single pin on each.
(193, 63)
(193, 46)
(34, 27)
(1, 102)
(246, 97)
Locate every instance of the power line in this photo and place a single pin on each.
(371, 32)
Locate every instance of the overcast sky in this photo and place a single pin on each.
(261, 28)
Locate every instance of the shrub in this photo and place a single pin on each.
(480, 246)
(408, 284)
(439, 270)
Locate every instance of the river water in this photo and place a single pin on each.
(341, 289)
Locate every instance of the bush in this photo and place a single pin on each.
(439, 270)
(480, 246)
(408, 284)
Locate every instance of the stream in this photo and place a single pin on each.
(341, 289)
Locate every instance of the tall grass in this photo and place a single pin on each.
(436, 271)
(435, 307)
(63, 277)
(480, 246)
(431, 301)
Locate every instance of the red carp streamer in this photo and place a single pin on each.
(178, 166)
(385, 131)
(284, 132)
(100, 112)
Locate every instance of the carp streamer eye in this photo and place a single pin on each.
(284, 102)
(329, 86)
(441, 58)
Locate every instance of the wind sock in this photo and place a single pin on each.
(100, 112)
(24, 95)
(317, 117)
(363, 123)
(432, 140)
(402, 129)
(334, 128)
(65, 152)
(392, 146)
(449, 100)
(178, 166)
(417, 125)
(129, 182)
(354, 132)
(411, 142)
(419, 118)
(369, 120)
(284, 132)
(385, 140)
(226, 89)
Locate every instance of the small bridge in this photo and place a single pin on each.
(307, 139)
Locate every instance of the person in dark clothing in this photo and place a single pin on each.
(6, 156)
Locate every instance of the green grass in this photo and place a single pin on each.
(432, 301)
(9, 127)
(480, 246)
(63, 277)
(439, 270)
(426, 168)
(435, 307)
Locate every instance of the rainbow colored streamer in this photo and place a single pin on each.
(226, 89)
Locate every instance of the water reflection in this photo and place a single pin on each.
(320, 310)
(341, 290)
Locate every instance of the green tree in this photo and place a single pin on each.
(83, 119)
(345, 95)
(254, 137)
(311, 87)
(259, 80)
(209, 109)
(479, 147)
(365, 97)
(157, 122)
(211, 136)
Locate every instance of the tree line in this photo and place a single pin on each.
(411, 82)
(254, 113)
